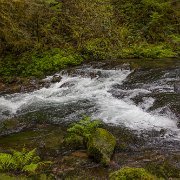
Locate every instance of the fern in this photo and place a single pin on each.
(84, 128)
(6, 161)
(23, 161)
(30, 168)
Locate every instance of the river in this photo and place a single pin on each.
(144, 101)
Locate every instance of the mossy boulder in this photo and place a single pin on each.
(128, 173)
(101, 146)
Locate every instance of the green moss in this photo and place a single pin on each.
(101, 146)
(163, 170)
(47, 138)
(128, 173)
(8, 177)
(9, 124)
(4, 176)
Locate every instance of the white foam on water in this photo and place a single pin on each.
(109, 108)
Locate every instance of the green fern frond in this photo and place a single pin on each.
(29, 156)
(21, 161)
(82, 129)
(30, 168)
(18, 159)
(6, 161)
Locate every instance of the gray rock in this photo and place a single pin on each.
(67, 84)
(177, 87)
(56, 78)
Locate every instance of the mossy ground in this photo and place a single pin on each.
(131, 173)
(72, 163)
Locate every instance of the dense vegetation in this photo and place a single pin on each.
(41, 36)
(19, 162)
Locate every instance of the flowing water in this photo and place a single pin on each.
(113, 95)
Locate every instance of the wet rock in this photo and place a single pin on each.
(56, 78)
(178, 124)
(67, 84)
(118, 93)
(177, 87)
(28, 88)
(101, 146)
(80, 154)
(12, 126)
(45, 83)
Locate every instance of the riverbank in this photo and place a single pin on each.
(17, 84)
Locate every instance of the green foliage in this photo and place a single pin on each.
(28, 24)
(148, 51)
(152, 20)
(21, 161)
(98, 142)
(51, 61)
(82, 130)
(128, 173)
(97, 29)
(99, 48)
(39, 64)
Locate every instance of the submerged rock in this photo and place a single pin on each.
(67, 84)
(101, 146)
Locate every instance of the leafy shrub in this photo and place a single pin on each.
(51, 61)
(21, 161)
(148, 51)
(39, 63)
(99, 48)
(128, 173)
(82, 131)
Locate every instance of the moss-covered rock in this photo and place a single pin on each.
(128, 173)
(101, 146)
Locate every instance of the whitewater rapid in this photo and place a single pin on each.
(97, 91)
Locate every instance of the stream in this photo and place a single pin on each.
(146, 101)
(102, 94)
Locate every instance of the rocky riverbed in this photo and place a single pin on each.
(137, 102)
